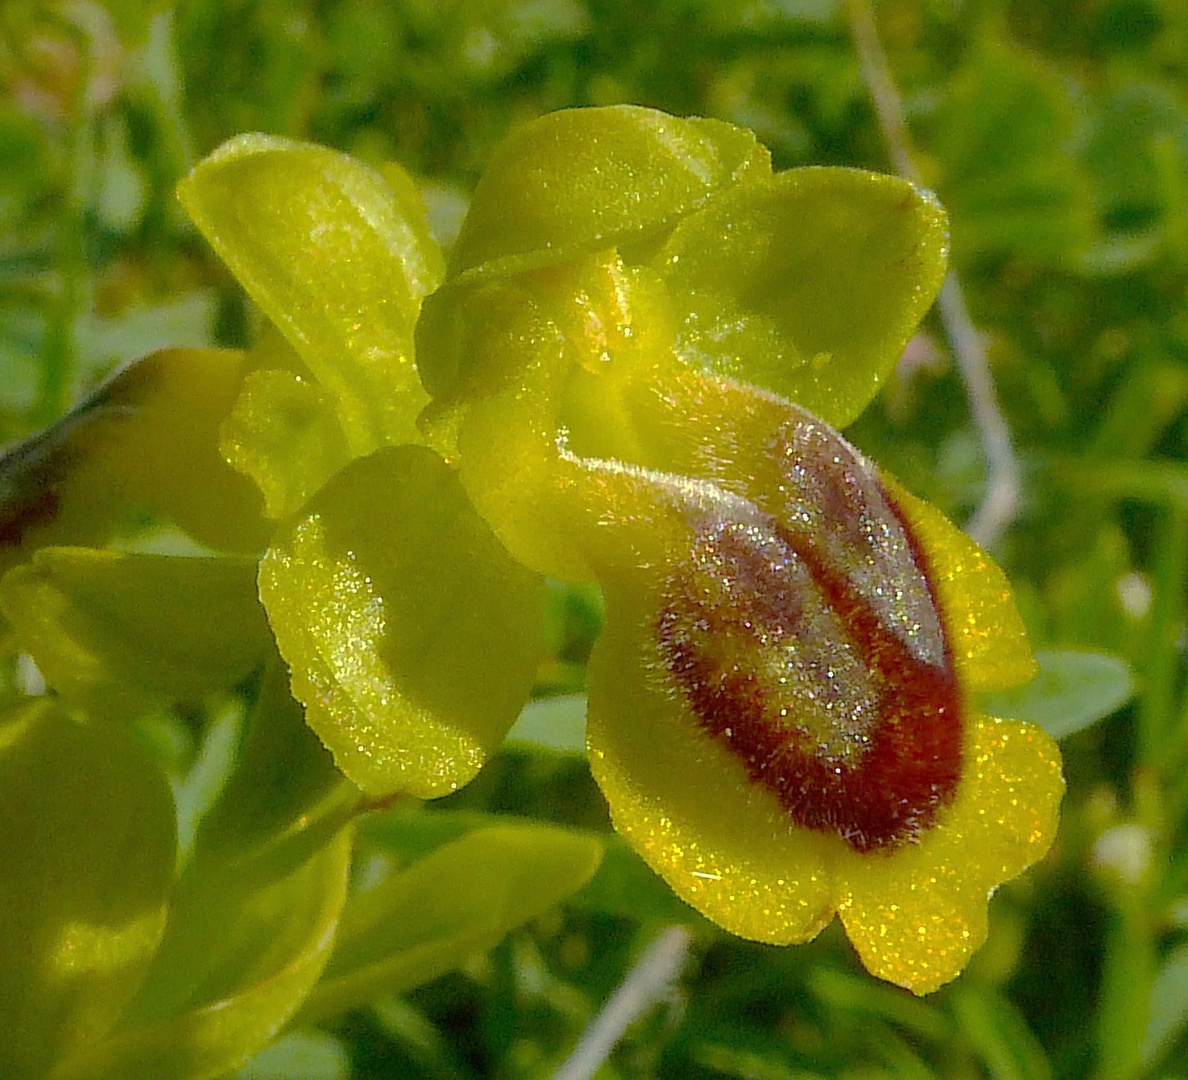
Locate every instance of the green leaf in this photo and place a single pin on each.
(465, 48)
(283, 799)
(409, 832)
(87, 854)
(841, 992)
(241, 69)
(746, 1064)
(1150, 396)
(998, 1034)
(769, 278)
(1136, 115)
(896, 1054)
(227, 937)
(424, 1045)
(300, 1055)
(337, 257)
(412, 636)
(1072, 691)
(133, 17)
(770, 15)
(1004, 140)
(1169, 1006)
(581, 179)
(249, 961)
(1123, 997)
(556, 725)
(145, 444)
(116, 632)
(241, 906)
(198, 782)
(461, 900)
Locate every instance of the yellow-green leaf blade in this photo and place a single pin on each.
(284, 797)
(87, 847)
(268, 952)
(261, 842)
(1074, 689)
(460, 900)
(117, 632)
(411, 634)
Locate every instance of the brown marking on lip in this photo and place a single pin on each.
(835, 691)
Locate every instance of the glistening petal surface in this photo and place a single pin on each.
(411, 635)
(579, 179)
(917, 916)
(808, 284)
(337, 257)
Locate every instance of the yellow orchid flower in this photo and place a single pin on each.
(631, 373)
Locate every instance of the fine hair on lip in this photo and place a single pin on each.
(808, 644)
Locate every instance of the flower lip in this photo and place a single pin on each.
(842, 703)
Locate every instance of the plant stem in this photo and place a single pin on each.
(1000, 503)
(1124, 995)
(645, 984)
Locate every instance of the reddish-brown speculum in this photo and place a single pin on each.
(808, 643)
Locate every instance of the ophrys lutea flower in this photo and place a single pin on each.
(631, 373)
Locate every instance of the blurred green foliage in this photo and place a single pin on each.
(1057, 135)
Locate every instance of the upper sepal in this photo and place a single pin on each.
(581, 179)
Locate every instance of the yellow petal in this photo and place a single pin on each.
(686, 805)
(917, 913)
(412, 637)
(284, 433)
(986, 632)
